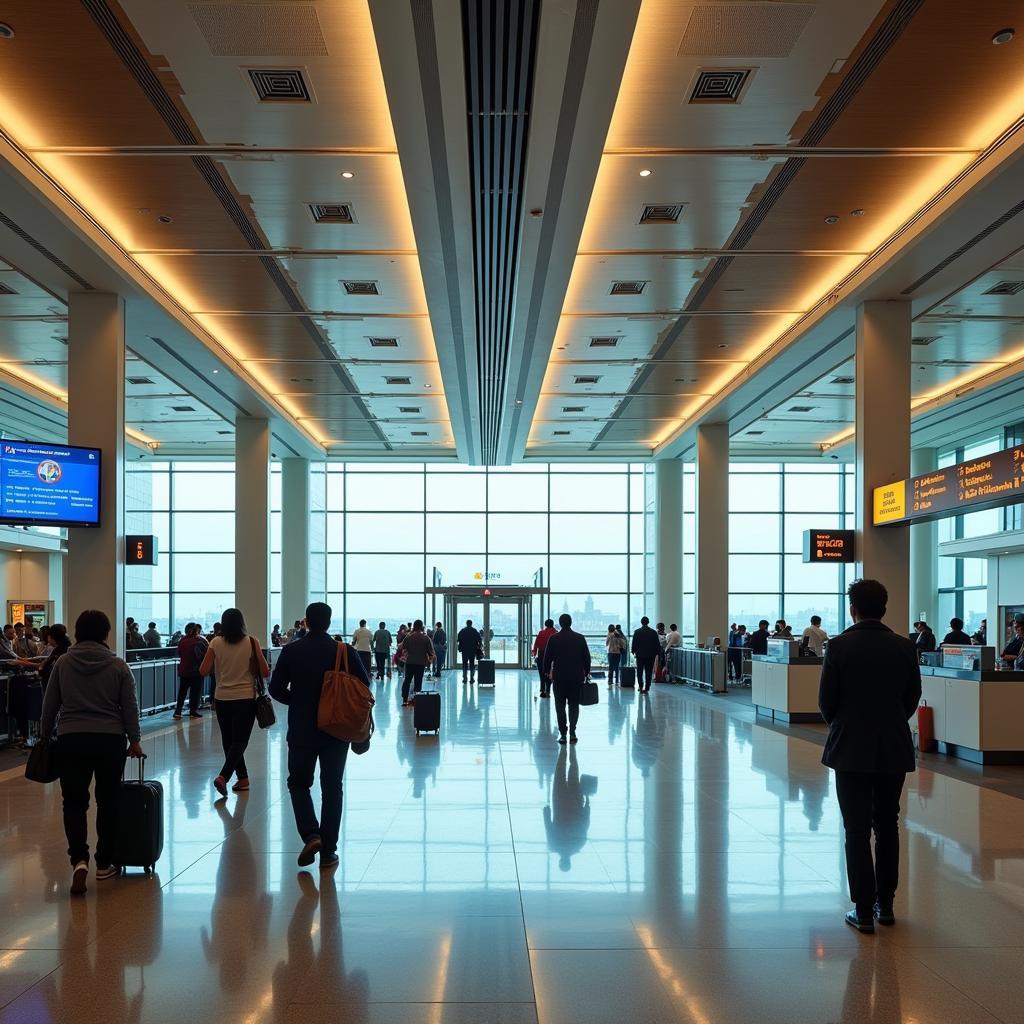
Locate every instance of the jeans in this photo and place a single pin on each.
(84, 755)
(236, 719)
(644, 672)
(468, 665)
(382, 663)
(871, 800)
(567, 695)
(545, 683)
(365, 658)
(440, 654)
(614, 660)
(736, 662)
(302, 762)
(192, 686)
(413, 675)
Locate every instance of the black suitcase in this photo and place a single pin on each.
(426, 711)
(627, 677)
(140, 823)
(485, 672)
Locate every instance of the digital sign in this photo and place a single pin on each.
(46, 484)
(988, 482)
(140, 549)
(828, 545)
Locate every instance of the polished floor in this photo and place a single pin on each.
(682, 864)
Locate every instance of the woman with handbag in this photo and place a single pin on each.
(238, 661)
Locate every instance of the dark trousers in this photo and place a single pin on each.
(236, 719)
(413, 676)
(382, 663)
(871, 800)
(468, 665)
(614, 660)
(736, 662)
(440, 654)
(83, 756)
(192, 687)
(545, 683)
(302, 762)
(567, 696)
(644, 672)
(366, 658)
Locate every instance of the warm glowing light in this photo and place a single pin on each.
(347, 174)
(645, 173)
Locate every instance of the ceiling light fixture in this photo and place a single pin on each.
(428, 385)
(645, 173)
(1004, 35)
(6, 32)
(348, 174)
(831, 219)
(165, 219)
(857, 213)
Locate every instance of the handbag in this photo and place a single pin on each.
(43, 763)
(265, 715)
(345, 710)
(589, 693)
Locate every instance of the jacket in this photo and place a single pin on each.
(646, 643)
(191, 651)
(958, 637)
(94, 692)
(439, 639)
(298, 679)
(541, 641)
(418, 648)
(469, 641)
(757, 641)
(926, 640)
(567, 658)
(152, 638)
(870, 686)
(382, 641)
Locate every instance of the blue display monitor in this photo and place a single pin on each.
(49, 484)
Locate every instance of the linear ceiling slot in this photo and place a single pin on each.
(800, 408)
(924, 340)
(603, 342)
(398, 380)
(183, 408)
(574, 408)
(409, 408)
(844, 380)
(138, 380)
(587, 379)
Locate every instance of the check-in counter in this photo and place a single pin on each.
(978, 711)
(697, 666)
(784, 683)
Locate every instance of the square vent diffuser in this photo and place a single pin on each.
(361, 287)
(332, 213)
(1006, 288)
(628, 287)
(661, 213)
(279, 85)
(720, 85)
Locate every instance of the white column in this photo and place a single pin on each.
(95, 565)
(712, 543)
(252, 525)
(883, 445)
(924, 557)
(294, 539)
(668, 541)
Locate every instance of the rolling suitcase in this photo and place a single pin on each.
(485, 672)
(426, 711)
(140, 823)
(627, 677)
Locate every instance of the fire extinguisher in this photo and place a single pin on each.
(925, 729)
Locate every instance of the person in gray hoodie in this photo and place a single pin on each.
(91, 698)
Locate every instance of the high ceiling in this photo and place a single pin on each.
(519, 229)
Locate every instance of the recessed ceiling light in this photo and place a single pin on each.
(348, 174)
(216, 371)
(723, 345)
(645, 173)
(831, 219)
(165, 219)
(1004, 35)
(856, 213)
(6, 32)
(428, 385)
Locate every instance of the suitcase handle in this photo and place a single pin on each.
(125, 769)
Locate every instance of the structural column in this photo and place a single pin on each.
(924, 546)
(295, 507)
(883, 445)
(95, 566)
(252, 525)
(712, 543)
(668, 541)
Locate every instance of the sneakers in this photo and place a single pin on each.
(884, 914)
(866, 926)
(562, 739)
(309, 851)
(111, 871)
(329, 861)
(176, 716)
(79, 875)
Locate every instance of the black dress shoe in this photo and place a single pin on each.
(884, 914)
(865, 927)
(562, 739)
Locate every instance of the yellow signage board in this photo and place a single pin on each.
(890, 503)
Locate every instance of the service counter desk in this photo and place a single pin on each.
(784, 685)
(698, 667)
(978, 713)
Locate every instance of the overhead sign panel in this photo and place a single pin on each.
(989, 482)
(828, 545)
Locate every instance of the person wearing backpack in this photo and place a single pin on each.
(191, 651)
(297, 681)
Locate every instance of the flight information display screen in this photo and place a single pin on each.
(47, 484)
(991, 481)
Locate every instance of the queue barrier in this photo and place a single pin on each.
(698, 667)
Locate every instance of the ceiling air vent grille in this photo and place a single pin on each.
(4, 290)
(754, 433)
(719, 85)
(661, 213)
(183, 408)
(924, 340)
(603, 342)
(800, 408)
(419, 433)
(138, 380)
(332, 213)
(398, 380)
(587, 379)
(383, 343)
(628, 287)
(843, 380)
(573, 408)
(361, 287)
(744, 29)
(225, 431)
(561, 433)
(260, 30)
(279, 85)
(409, 408)
(1006, 288)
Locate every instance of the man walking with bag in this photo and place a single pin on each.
(297, 681)
(567, 663)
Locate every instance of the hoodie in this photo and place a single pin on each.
(93, 691)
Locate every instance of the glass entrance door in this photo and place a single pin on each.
(503, 629)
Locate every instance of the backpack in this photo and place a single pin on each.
(346, 704)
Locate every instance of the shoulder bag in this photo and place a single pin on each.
(345, 710)
(43, 763)
(265, 715)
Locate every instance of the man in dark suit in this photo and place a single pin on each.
(757, 642)
(870, 686)
(646, 648)
(567, 663)
(297, 681)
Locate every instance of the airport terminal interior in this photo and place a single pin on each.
(496, 312)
